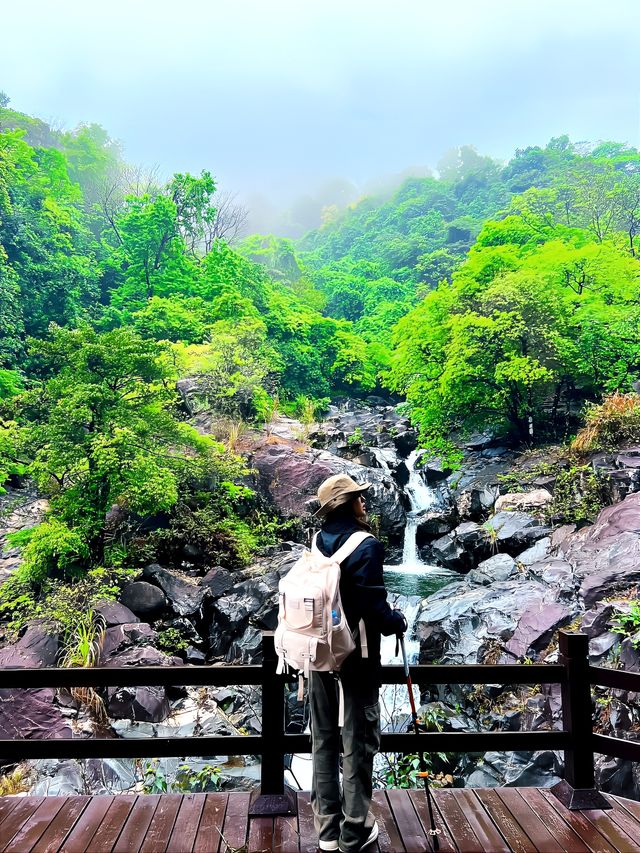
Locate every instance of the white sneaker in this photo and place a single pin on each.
(372, 836)
(328, 845)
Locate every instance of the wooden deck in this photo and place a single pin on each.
(491, 820)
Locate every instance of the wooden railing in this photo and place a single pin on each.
(577, 739)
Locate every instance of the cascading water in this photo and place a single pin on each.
(421, 498)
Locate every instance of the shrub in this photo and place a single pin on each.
(610, 424)
(578, 496)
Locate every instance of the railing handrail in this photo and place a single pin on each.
(573, 673)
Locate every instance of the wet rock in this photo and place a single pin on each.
(537, 499)
(121, 636)
(463, 548)
(500, 567)
(434, 524)
(184, 596)
(536, 553)
(115, 613)
(596, 621)
(405, 442)
(516, 531)
(536, 627)
(195, 656)
(600, 646)
(247, 648)
(144, 599)
(68, 777)
(149, 704)
(434, 470)
(41, 646)
(458, 622)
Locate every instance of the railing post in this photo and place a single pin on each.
(577, 789)
(274, 797)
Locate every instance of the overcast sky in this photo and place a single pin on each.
(274, 95)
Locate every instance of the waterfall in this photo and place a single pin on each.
(421, 498)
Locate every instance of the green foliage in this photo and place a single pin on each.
(578, 496)
(186, 779)
(171, 640)
(627, 623)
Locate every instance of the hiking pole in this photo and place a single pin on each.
(423, 774)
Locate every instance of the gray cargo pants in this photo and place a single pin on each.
(345, 817)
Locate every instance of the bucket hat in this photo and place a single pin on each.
(337, 490)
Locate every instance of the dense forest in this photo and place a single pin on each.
(492, 296)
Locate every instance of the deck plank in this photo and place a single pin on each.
(624, 820)
(7, 804)
(404, 814)
(236, 821)
(483, 827)
(610, 830)
(112, 823)
(530, 822)
(209, 837)
(308, 836)
(15, 817)
(631, 806)
(186, 826)
(260, 835)
(515, 836)
(589, 835)
(286, 838)
(559, 828)
(86, 827)
(138, 821)
(389, 839)
(162, 824)
(445, 841)
(455, 818)
(32, 824)
(53, 837)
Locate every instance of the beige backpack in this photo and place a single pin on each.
(313, 633)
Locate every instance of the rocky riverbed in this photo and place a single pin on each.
(512, 577)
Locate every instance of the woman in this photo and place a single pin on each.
(344, 822)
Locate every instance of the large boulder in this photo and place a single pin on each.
(536, 627)
(144, 599)
(463, 548)
(535, 500)
(290, 480)
(147, 703)
(115, 613)
(606, 556)
(184, 595)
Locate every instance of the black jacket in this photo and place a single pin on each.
(362, 592)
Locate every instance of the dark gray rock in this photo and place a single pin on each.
(500, 567)
(144, 599)
(405, 442)
(596, 620)
(115, 613)
(516, 531)
(119, 637)
(435, 523)
(433, 470)
(218, 581)
(149, 704)
(40, 645)
(463, 548)
(184, 596)
(536, 553)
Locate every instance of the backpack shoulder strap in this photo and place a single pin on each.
(350, 545)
